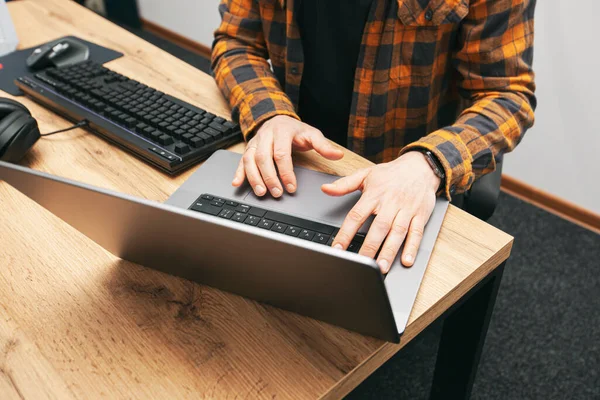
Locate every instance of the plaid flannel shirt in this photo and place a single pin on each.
(451, 76)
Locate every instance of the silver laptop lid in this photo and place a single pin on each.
(332, 285)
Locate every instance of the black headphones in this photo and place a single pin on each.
(18, 130)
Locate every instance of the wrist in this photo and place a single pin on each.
(432, 174)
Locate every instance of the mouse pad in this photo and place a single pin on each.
(13, 65)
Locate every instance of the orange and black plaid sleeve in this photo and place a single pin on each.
(494, 60)
(241, 69)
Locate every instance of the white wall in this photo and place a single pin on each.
(561, 154)
(194, 19)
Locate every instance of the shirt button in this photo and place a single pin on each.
(429, 14)
(294, 70)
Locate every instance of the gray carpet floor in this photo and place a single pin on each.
(544, 338)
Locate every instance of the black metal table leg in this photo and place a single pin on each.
(462, 340)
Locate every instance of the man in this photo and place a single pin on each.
(434, 91)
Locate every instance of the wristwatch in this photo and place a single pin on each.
(436, 166)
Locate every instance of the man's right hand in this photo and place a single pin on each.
(273, 144)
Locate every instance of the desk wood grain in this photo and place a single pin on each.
(76, 322)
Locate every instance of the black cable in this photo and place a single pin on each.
(80, 124)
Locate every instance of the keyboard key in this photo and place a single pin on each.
(206, 197)
(154, 136)
(216, 203)
(217, 127)
(226, 213)
(279, 227)
(292, 231)
(165, 140)
(239, 217)
(213, 132)
(354, 247)
(196, 142)
(206, 208)
(242, 208)
(320, 238)
(207, 138)
(231, 203)
(359, 238)
(306, 234)
(252, 220)
(181, 148)
(265, 224)
(257, 212)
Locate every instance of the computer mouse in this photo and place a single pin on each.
(59, 53)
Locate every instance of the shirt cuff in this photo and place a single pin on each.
(454, 157)
(258, 107)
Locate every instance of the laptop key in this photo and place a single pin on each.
(206, 197)
(239, 217)
(359, 238)
(204, 207)
(231, 203)
(265, 224)
(252, 220)
(257, 212)
(242, 208)
(226, 213)
(354, 247)
(330, 241)
(216, 203)
(279, 227)
(292, 231)
(320, 238)
(306, 234)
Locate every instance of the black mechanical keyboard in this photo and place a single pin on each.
(161, 129)
(271, 220)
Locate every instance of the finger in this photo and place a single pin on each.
(346, 184)
(354, 220)
(252, 172)
(282, 154)
(240, 175)
(394, 241)
(266, 166)
(323, 146)
(378, 230)
(413, 240)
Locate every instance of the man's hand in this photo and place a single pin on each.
(402, 195)
(274, 141)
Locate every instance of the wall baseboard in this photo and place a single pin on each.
(510, 185)
(551, 203)
(176, 38)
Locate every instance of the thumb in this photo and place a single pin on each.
(323, 146)
(346, 184)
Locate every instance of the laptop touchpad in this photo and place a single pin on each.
(309, 201)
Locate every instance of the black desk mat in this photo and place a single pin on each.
(13, 65)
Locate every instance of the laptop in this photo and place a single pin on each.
(271, 250)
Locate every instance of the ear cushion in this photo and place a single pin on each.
(18, 133)
(8, 106)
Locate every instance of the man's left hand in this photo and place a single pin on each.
(401, 194)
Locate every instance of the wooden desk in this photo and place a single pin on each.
(75, 322)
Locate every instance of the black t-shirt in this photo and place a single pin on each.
(331, 32)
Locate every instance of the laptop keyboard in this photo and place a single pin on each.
(271, 220)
